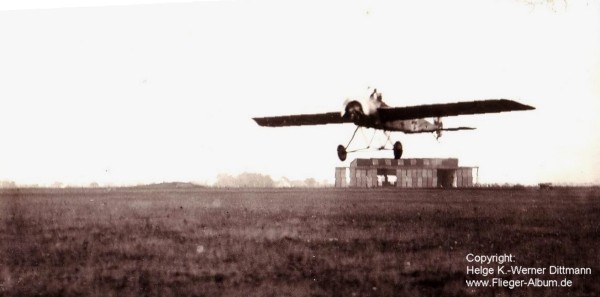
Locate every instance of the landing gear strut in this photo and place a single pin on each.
(341, 150)
(396, 147)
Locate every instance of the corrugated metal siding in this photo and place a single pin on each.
(410, 173)
(450, 162)
(416, 178)
(340, 177)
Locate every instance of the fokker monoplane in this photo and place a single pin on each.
(372, 112)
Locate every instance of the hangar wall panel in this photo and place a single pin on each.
(410, 173)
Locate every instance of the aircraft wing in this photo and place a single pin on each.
(303, 119)
(450, 109)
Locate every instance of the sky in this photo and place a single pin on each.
(128, 92)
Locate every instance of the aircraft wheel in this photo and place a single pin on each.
(397, 150)
(342, 154)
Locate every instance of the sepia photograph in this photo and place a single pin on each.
(300, 148)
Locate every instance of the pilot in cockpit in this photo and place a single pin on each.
(376, 95)
(377, 98)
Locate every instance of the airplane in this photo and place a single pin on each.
(372, 112)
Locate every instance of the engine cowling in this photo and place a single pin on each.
(353, 111)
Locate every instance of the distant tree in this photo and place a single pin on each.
(290, 183)
(225, 181)
(7, 184)
(284, 182)
(245, 180)
(94, 185)
(310, 182)
(57, 185)
(255, 180)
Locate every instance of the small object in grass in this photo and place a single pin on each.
(200, 249)
(219, 278)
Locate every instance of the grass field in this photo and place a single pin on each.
(327, 242)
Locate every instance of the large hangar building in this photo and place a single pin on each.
(406, 173)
